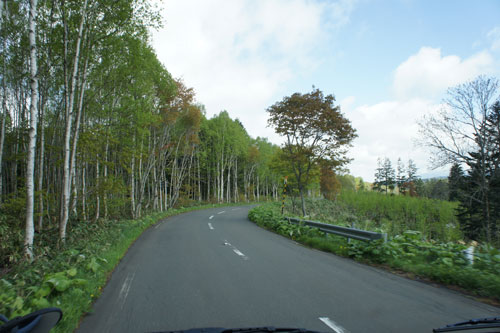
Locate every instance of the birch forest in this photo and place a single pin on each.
(94, 127)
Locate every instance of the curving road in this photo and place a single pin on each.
(215, 268)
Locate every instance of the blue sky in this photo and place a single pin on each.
(382, 34)
(387, 62)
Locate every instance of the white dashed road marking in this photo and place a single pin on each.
(333, 325)
(235, 250)
(211, 217)
(210, 226)
(221, 212)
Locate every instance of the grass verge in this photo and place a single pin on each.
(72, 277)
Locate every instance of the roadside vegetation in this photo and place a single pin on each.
(73, 276)
(410, 251)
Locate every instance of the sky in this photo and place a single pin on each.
(388, 63)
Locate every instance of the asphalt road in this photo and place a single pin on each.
(215, 268)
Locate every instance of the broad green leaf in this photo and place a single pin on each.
(40, 303)
(71, 272)
(43, 291)
(448, 262)
(59, 282)
(93, 265)
(79, 282)
(18, 303)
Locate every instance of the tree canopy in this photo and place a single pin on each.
(315, 130)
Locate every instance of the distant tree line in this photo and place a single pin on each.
(388, 179)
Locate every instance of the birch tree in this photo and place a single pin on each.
(30, 163)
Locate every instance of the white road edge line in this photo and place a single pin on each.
(333, 325)
(211, 217)
(210, 226)
(221, 212)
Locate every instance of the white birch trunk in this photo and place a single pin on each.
(104, 194)
(208, 183)
(132, 185)
(75, 136)
(30, 169)
(84, 193)
(228, 185)
(3, 17)
(40, 171)
(235, 179)
(98, 195)
(66, 186)
(199, 179)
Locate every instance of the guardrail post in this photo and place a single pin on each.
(469, 254)
(348, 239)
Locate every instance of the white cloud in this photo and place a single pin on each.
(239, 55)
(388, 129)
(347, 103)
(494, 37)
(428, 74)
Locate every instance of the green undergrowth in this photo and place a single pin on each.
(392, 214)
(72, 277)
(445, 262)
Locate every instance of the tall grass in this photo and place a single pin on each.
(393, 214)
(435, 219)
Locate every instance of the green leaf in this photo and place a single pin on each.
(18, 303)
(40, 303)
(79, 282)
(73, 252)
(43, 291)
(93, 265)
(448, 262)
(71, 272)
(59, 282)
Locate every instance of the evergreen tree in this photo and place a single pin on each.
(389, 176)
(377, 183)
(385, 176)
(455, 182)
(412, 180)
(401, 177)
(479, 211)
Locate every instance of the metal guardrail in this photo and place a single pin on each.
(353, 233)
